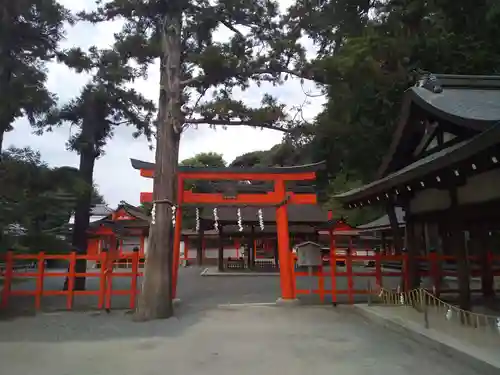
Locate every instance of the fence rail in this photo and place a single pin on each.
(105, 274)
(430, 266)
(108, 271)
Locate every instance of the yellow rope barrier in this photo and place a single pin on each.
(422, 300)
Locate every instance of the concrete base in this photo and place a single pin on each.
(287, 302)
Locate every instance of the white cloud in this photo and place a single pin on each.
(113, 173)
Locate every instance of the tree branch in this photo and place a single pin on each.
(256, 124)
(198, 81)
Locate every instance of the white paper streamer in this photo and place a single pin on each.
(197, 219)
(153, 214)
(240, 224)
(173, 216)
(261, 218)
(216, 220)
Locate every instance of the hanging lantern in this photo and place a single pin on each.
(173, 216)
(240, 225)
(261, 218)
(197, 219)
(216, 220)
(153, 214)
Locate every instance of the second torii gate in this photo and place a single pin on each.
(278, 196)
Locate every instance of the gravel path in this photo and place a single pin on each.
(215, 341)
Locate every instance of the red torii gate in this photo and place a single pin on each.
(278, 196)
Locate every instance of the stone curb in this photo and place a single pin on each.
(207, 272)
(429, 338)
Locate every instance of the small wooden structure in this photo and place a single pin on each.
(121, 230)
(443, 169)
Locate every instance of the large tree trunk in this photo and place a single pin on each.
(82, 214)
(2, 132)
(155, 300)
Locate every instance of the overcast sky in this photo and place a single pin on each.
(113, 173)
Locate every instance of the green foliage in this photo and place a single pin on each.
(283, 154)
(29, 34)
(260, 48)
(370, 61)
(205, 159)
(36, 201)
(104, 103)
(342, 183)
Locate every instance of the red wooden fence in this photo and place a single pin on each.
(105, 273)
(434, 270)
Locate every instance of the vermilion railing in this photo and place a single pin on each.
(105, 273)
(381, 269)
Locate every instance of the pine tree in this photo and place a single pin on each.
(30, 31)
(103, 104)
(180, 33)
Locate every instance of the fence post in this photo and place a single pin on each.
(7, 279)
(39, 280)
(423, 302)
(133, 283)
(350, 281)
(109, 283)
(321, 284)
(102, 281)
(294, 277)
(71, 280)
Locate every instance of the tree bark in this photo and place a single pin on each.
(82, 213)
(2, 132)
(155, 300)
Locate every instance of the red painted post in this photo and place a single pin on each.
(39, 280)
(102, 281)
(7, 284)
(186, 248)
(109, 286)
(286, 282)
(321, 284)
(350, 279)
(333, 266)
(71, 281)
(133, 282)
(293, 259)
